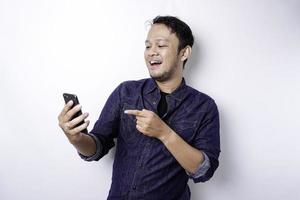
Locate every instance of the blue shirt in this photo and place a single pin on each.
(143, 167)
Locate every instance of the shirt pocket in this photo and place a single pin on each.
(186, 129)
(129, 132)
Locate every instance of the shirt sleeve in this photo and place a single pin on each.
(98, 150)
(106, 127)
(202, 168)
(207, 139)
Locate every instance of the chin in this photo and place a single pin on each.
(159, 77)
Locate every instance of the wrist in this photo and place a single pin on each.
(75, 139)
(165, 137)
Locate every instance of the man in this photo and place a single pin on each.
(166, 131)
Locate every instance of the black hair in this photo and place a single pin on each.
(180, 28)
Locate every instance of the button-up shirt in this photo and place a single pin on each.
(143, 167)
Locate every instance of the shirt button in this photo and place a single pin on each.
(154, 102)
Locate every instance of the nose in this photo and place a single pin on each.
(152, 51)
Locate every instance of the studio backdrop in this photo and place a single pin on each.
(246, 57)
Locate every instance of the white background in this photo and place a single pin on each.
(246, 56)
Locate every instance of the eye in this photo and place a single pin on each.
(161, 46)
(148, 47)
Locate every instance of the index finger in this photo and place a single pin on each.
(67, 107)
(134, 112)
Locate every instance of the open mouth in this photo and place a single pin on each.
(155, 63)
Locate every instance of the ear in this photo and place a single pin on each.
(186, 53)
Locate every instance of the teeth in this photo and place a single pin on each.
(154, 62)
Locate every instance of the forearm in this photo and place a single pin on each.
(188, 157)
(85, 145)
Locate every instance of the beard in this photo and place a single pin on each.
(164, 75)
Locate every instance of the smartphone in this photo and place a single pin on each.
(75, 100)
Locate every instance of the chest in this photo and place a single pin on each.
(181, 117)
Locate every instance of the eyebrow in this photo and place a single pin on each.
(158, 40)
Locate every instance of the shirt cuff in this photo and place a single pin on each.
(202, 169)
(98, 150)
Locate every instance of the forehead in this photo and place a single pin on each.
(160, 32)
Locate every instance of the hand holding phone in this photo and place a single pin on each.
(74, 118)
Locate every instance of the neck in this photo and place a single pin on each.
(170, 85)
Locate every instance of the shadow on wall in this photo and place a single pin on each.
(194, 62)
(225, 172)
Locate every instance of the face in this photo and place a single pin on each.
(161, 53)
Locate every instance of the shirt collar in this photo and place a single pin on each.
(178, 93)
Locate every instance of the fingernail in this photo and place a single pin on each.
(125, 111)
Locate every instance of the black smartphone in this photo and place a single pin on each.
(75, 100)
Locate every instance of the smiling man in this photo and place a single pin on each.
(166, 131)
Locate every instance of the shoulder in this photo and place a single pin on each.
(134, 83)
(205, 101)
(131, 88)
